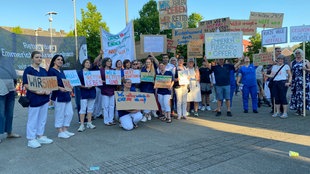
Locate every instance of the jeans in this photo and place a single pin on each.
(6, 112)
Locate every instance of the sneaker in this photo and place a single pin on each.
(90, 126)
(63, 135)
(255, 111)
(188, 114)
(196, 114)
(208, 108)
(203, 108)
(69, 133)
(192, 111)
(149, 117)
(229, 114)
(218, 114)
(276, 114)
(284, 115)
(154, 114)
(144, 119)
(34, 143)
(81, 128)
(298, 113)
(44, 140)
(245, 111)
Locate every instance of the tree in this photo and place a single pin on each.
(17, 30)
(255, 46)
(194, 19)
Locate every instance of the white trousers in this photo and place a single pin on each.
(98, 103)
(87, 104)
(36, 121)
(128, 120)
(108, 104)
(181, 95)
(63, 114)
(164, 101)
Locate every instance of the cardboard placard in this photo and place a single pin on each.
(37, 83)
(195, 49)
(274, 36)
(183, 77)
(92, 78)
(262, 59)
(183, 36)
(147, 77)
(135, 101)
(133, 75)
(300, 33)
(248, 27)
(267, 20)
(67, 84)
(162, 81)
(154, 44)
(113, 77)
(221, 24)
(73, 77)
(171, 46)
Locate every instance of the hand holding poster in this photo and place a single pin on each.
(194, 49)
(135, 101)
(92, 78)
(36, 83)
(113, 77)
(147, 77)
(274, 36)
(300, 33)
(262, 59)
(154, 44)
(183, 77)
(162, 81)
(67, 84)
(73, 77)
(133, 75)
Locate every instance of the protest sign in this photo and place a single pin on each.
(92, 78)
(172, 14)
(171, 46)
(154, 44)
(262, 59)
(221, 24)
(183, 36)
(274, 36)
(73, 77)
(113, 77)
(37, 83)
(162, 81)
(135, 101)
(133, 75)
(220, 45)
(194, 49)
(67, 84)
(183, 77)
(267, 20)
(147, 77)
(300, 33)
(248, 27)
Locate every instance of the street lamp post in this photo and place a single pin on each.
(50, 19)
(75, 31)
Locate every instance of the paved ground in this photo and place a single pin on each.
(243, 144)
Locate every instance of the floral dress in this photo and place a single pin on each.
(297, 87)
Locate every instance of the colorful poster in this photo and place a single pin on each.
(195, 49)
(171, 46)
(147, 77)
(36, 83)
(113, 77)
(172, 14)
(183, 36)
(274, 36)
(248, 27)
(183, 77)
(67, 84)
(267, 20)
(133, 75)
(162, 81)
(300, 33)
(262, 59)
(220, 45)
(119, 46)
(135, 101)
(73, 77)
(154, 44)
(221, 24)
(92, 78)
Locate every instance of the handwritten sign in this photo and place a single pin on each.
(221, 24)
(248, 27)
(220, 45)
(153, 43)
(194, 49)
(147, 77)
(267, 20)
(162, 81)
(300, 33)
(262, 59)
(113, 77)
(183, 77)
(274, 36)
(133, 75)
(67, 84)
(172, 14)
(92, 78)
(135, 101)
(171, 46)
(36, 83)
(183, 36)
(73, 77)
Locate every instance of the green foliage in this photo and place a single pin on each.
(255, 46)
(194, 19)
(17, 30)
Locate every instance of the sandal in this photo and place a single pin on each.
(169, 121)
(13, 135)
(163, 118)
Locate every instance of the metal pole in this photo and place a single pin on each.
(126, 11)
(50, 19)
(75, 32)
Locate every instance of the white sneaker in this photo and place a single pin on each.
(63, 135)
(188, 114)
(203, 108)
(69, 133)
(208, 108)
(154, 114)
(44, 140)
(149, 117)
(284, 115)
(89, 125)
(81, 128)
(276, 115)
(34, 143)
(143, 119)
(192, 111)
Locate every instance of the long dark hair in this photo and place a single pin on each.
(104, 62)
(54, 58)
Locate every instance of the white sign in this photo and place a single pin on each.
(92, 78)
(274, 36)
(300, 33)
(183, 77)
(154, 44)
(220, 45)
(133, 75)
(73, 77)
(113, 77)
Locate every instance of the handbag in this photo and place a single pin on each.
(23, 100)
(271, 81)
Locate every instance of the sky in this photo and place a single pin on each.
(31, 14)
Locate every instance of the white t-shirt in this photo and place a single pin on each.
(282, 75)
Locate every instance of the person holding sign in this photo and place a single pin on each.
(62, 99)
(129, 118)
(194, 84)
(37, 111)
(164, 94)
(88, 95)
